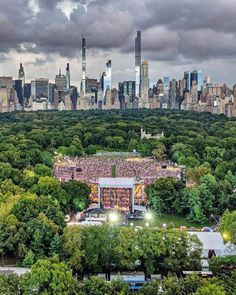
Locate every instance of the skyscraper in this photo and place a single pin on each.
(68, 77)
(187, 78)
(173, 94)
(166, 86)
(144, 85)
(21, 75)
(19, 90)
(107, 82)
(197, 76)
(108, 75)
(60, 82)
(8, 96)
(41, 88)
(84, 65)
(137, 63)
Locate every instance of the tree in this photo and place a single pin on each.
(152, 246)
(50, 186)
(71, 246)
(43, 170)
(9, 284)
(29, 207)
(196, 173)
(159, 152)
(127, 248)
(182, 252)
(13, 235)
(77, 195)
(192, 197)
(172, 285)
(34, 156)
(41, 231)
(56, 245)
(133, 144)
(221, 266)
(49, 276)
(76, 142)
(91, 149)
(210, 289)
(119, 287)
(228, 226)
(29, 259)
(94, 286)
(231, 178)
(164, 195)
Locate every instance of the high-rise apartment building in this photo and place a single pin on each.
(8, 97)
(21, 75)
(197, 76)
(39, 88)
(68, 77)
(84, 65)
(19, 91)
(187, 78)
(6, 82)
(107, 82)
(108, 75)
(144, 85)
(166, 82)
(60, 82)
(159, 87)
(137, 63)
(173, 94)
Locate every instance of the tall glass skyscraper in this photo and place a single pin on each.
(84, 65)
(108, 75)
(166, 81)
(107, 82)
(68, 77)
(187, 78)
(137, 63)
(197, 76)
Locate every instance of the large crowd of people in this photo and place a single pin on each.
(90, 169)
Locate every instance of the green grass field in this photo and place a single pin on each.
(177, 221)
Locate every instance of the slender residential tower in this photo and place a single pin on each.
(21, 75)
(144, 85)
(84, 65)
(108, 75)
(137, 63)
(107, 82)
(68, 77)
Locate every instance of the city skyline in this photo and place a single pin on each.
(46, 35)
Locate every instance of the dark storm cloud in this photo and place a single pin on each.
(172, 30)
(40, 61)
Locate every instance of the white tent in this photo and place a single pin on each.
(210, 241)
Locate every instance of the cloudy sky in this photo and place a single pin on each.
(177, 35)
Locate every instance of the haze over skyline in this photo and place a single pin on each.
(176, 36)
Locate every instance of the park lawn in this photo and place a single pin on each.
(177, 221)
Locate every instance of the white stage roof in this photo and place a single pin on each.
(210, 240)
(118, 182)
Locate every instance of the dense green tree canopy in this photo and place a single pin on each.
(33, 202)
(49, 277)
(77, 195)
